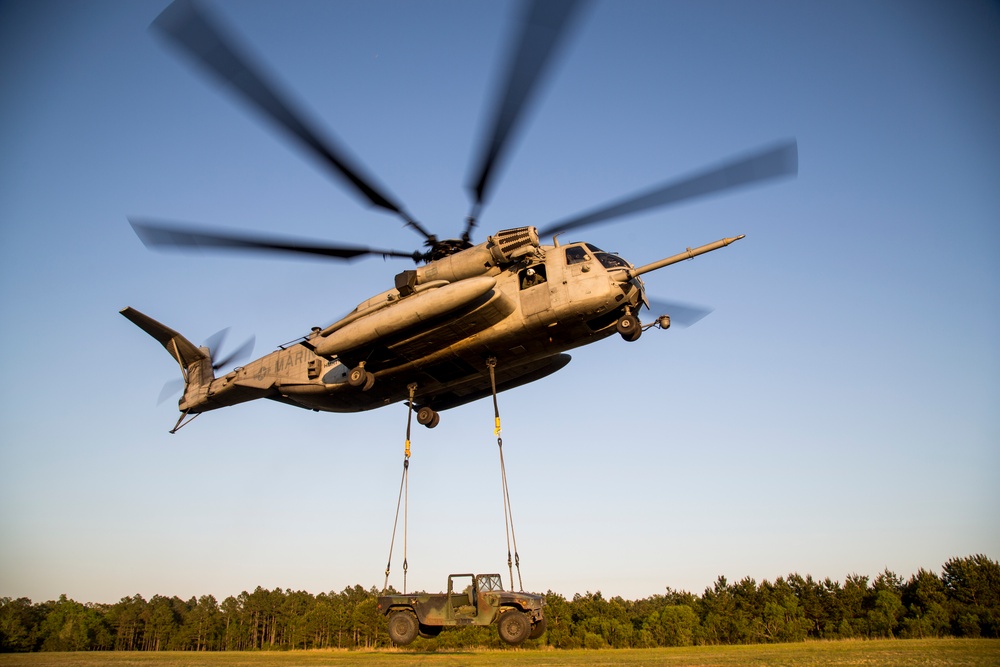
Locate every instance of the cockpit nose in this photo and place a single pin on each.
(621, 270)
(618, 269)
(640, 292)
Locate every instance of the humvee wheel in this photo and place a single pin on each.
(538, 629)
(514, 627)
(403, 627)
(429, 631)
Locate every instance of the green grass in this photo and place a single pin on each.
(903, 653)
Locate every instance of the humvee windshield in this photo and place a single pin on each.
(489, 582)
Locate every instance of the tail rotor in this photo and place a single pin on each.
(214, 345)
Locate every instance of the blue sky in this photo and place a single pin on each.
(836, 413)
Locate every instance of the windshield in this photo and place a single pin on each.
(610, 261)
(587, 251)
(607, 260)
(490, 582)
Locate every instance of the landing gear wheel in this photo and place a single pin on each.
(403, 627)
(514, 627)
(538, 629)
(629, 327)
(428, 417)
(359, 377)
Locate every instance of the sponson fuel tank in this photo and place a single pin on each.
(406, 313)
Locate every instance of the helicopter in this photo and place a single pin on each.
(471, 319)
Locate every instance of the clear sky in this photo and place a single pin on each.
(837, 413)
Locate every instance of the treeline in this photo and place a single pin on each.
(963, 601)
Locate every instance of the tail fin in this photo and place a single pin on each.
(195, 362)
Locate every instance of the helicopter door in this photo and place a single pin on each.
(585, 276)
(534, 290)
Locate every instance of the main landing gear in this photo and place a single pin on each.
(364, 380)
(359, 377)
(428, 417)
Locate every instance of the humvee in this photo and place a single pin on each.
(472, 599)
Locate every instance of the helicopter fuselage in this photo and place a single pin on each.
(439, 327)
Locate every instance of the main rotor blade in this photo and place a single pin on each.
(763, 165)
(157, 235)
(544, 23)
(191, 30)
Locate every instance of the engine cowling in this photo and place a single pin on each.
(503, 248)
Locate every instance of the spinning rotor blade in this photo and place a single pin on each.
(170, 388)
(780, 160)
(544, 23)
(681, 314)
(157, 235)
(214, 344)
(192, 31)
(241, 352)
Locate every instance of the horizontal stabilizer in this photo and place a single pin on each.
(179, 347)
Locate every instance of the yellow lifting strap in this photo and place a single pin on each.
(403, 499)
(491, 363)
(508, 514)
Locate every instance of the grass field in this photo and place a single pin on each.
(904, 653)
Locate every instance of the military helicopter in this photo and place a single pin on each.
(470, 319)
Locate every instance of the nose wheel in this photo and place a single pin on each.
(629, 327)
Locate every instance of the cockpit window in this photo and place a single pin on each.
(610, 261)
(576, 254)
(594, 248)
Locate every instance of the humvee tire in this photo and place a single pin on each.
(513, 626)
(403, 627)
(538, 629)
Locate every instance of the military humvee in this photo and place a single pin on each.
(472, 599)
